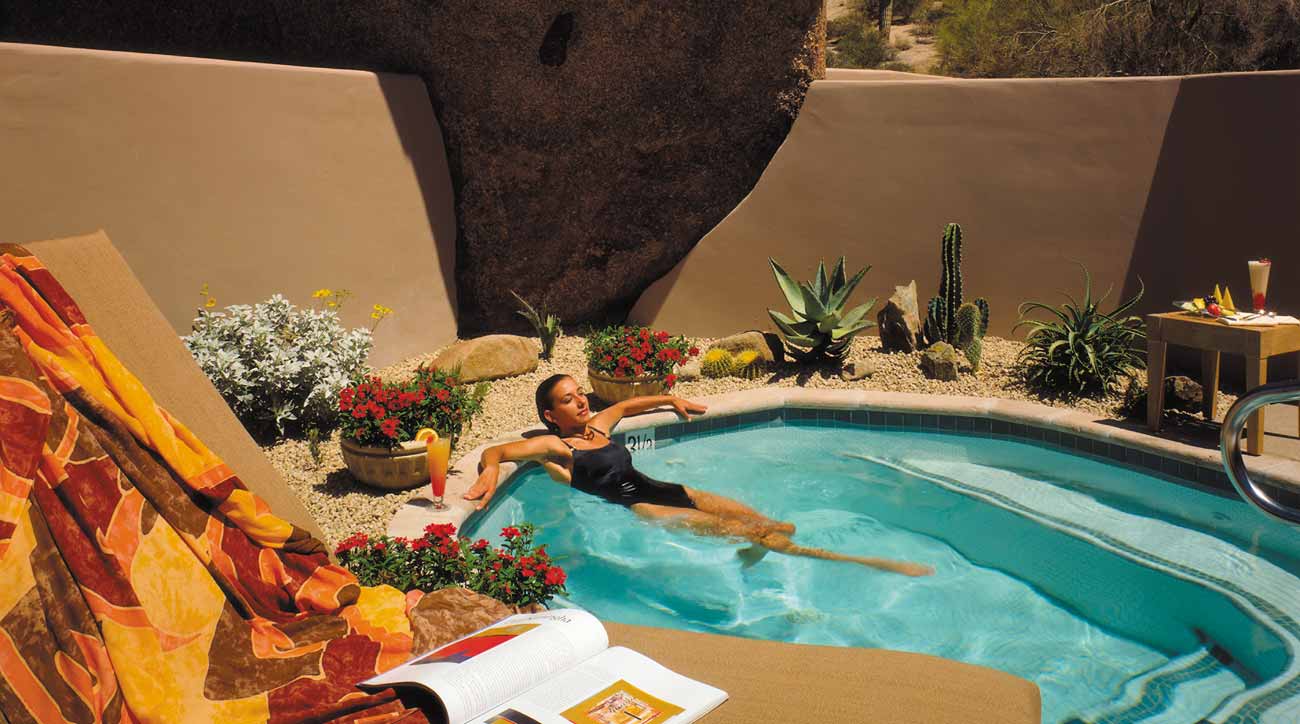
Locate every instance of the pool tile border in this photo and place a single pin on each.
(1055, 428)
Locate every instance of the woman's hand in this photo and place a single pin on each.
(485, 487)
(685, 407)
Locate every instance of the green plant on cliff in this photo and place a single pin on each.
(545, 324)
(820, 328)
(941, 313)
(1082, 350)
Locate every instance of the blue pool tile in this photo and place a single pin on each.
(947, 422)
(912, 420)
(842, 416)
(930, 422)
(982, 425)
(858, 417)
(998, 427)
(1150, 461)
(894, 419)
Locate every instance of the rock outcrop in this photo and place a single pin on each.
(941, 362)
(591, 143)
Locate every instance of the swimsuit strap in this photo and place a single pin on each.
(593, 427)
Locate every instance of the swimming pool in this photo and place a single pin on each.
(1125, 597)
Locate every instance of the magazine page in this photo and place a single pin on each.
(473, 674)
(618, 686)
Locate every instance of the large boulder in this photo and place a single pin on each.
(768, 345)
(489, 358)
(590, 143)
(941, 362)
(900, 320)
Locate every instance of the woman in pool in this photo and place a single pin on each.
(579, 453)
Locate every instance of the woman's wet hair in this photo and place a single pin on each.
(543, 399)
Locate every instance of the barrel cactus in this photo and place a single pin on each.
(971, 321)
(749, 364)
(820, 328)
(941, 312)
(717, 363)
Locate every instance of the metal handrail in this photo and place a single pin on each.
(1230, 446)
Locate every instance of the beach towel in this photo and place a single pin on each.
(140, 579)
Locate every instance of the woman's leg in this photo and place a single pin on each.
(728, 508)
(710, 524)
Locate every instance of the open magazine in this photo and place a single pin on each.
(555, 667)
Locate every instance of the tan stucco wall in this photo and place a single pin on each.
(253, 178)
(1178, 180)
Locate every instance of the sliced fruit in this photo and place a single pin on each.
(1218, 295)
(1199, 304)
(426, 435)
(1227, 303)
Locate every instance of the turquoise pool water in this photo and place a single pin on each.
(1125, 597)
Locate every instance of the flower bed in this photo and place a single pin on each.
(517, 574)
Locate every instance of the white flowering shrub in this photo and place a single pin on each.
(279, 367)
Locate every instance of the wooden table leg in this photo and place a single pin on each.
(1256, 375)
(1155, 383)
(1209, 382)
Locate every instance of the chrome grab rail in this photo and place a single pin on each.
(1230, 446)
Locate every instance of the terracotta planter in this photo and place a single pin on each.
(402, 468)
(617, 389)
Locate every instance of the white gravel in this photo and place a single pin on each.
(342, 506)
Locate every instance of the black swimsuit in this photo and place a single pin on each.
(607, 472)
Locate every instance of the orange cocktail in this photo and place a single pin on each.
(438, 451)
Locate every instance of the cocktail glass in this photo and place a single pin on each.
(1259, 283)
(438, 452)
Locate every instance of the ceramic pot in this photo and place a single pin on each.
(617, 389)
(400, 468)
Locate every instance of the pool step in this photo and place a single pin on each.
(1185, 689)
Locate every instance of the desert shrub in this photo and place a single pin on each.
(518, 573)
(865, 48)
(545, 324)
(1082, 350)
(279, 367)
(821, 327)
(1005, 38)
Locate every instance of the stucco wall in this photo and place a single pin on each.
(1175, 180)
(253, 178)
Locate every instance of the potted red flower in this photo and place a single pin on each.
(625, 362)
(378, 421)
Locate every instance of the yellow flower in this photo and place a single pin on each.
(212, 302)
(380, 311)
(203, 290)
(321, 293)
(331, 304)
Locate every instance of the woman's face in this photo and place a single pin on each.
(569, 407)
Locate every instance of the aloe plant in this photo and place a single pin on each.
(820, 328)
(1083, 350)
(545, 324)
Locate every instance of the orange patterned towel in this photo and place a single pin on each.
(140, 579)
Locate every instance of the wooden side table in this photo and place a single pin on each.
(1212, 337)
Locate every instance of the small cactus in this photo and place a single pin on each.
(941, 324)
(748, 364)
(717, 363)
(971, 325)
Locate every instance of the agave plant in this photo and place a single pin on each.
(1083, 350)
(820, 329)
(545, 324)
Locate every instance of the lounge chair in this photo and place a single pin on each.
(767, 681)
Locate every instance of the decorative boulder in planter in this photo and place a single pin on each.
(400, 468)
(617, 389)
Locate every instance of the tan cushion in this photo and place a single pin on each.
(121, 312)
(769, 681)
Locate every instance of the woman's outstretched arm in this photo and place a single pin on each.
(539, 449)
(610, 416)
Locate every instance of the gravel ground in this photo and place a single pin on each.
(343, 507)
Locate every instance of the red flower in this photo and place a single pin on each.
(389, 427)
(496, 566)
(510, 531)
(356, 540)
(420, 544)
(670, 380)
(693, 351)
(381, 547)
(357, 433)
(609, 358)
(359, 412)
(661, 336)
(451, 381)
(526, 572)
(541, 552)
(440, 530)
(555, 576)
(645, 333)
(442, 395)
(479, 544)
(639, 370)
